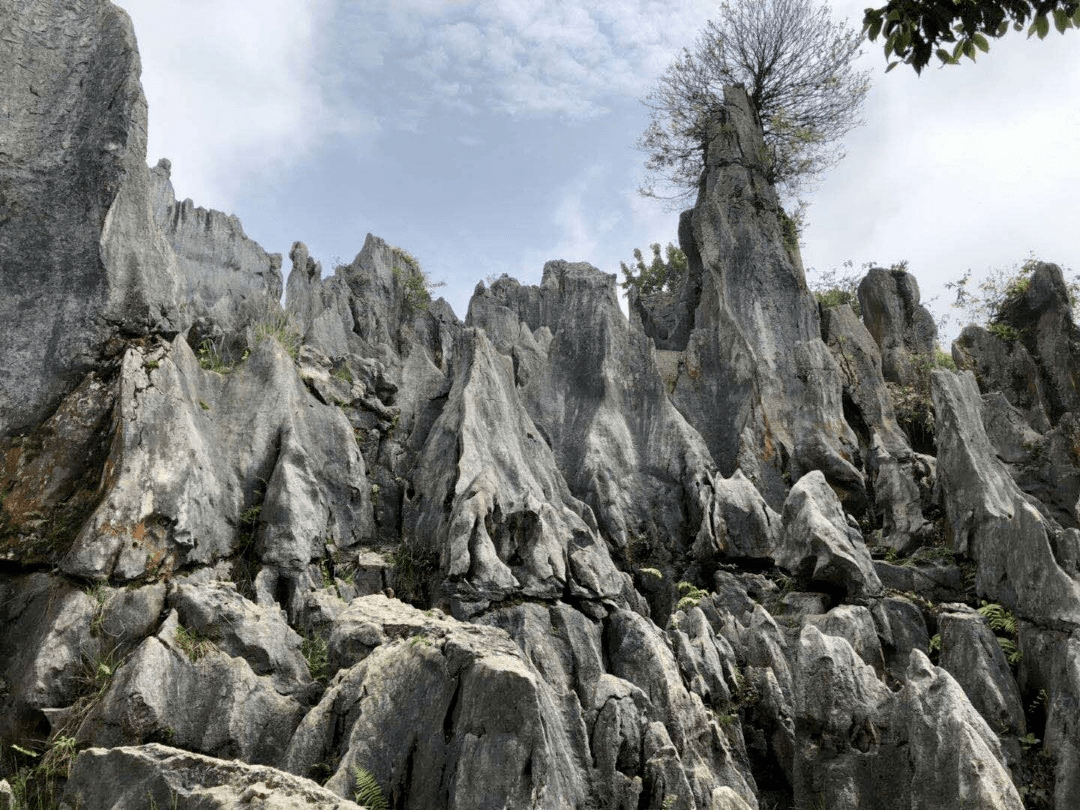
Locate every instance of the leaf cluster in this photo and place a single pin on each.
(415, 282)
(1005, 627)
(796, 64)
(834, 287)
(691, 595)
(914, 31)
(985, 303)
(368, 793)
(659, 274)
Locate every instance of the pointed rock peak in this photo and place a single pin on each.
(902, 327)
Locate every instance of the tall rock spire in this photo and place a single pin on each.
(754, 376)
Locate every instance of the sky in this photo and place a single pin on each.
(489, 136)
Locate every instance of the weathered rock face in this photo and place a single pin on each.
(750, 345)
(228, 282)
(860, 745)
(73, 141)
(991, 520)
(128, 778)
(192, 463)
(902, 327)
(637, 551)
(1004, 367)
(1042, 315)
(93, 245)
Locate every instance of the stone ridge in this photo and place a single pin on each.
(735, 552)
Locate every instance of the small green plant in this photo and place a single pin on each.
(414, 281)
(194, 644)
(658, 275)
(249, 518)
(1028, 740)
(315, 650)
(791, 226)
(999, 618)
(935, 643)
(277, 324)
(203, 405)
(150, 365)
(211, 358)
(652, 572)
(1041, 702)
(1003, 331)
(342, 373)
(691, 595)
(833, 287)
(942, 359)
(1005, 627)
(412, 570)
(915, 413)
(368, 792)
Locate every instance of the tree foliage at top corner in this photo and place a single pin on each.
(657, 276)
(915, 31)
(796, 63)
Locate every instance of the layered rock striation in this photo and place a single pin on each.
(354, 548)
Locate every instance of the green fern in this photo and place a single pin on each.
(1002, 621)
(368, 792)
(999, 619)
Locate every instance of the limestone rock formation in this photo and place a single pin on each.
(902, 327)
(131, 777)
(548, 557)
(749, 339)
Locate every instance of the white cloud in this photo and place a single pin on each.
(233, 90)
(528, 57)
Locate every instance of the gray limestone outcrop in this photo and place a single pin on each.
(861, 745)
(817, 544)
(903, 328)
(93, 245)
(72, 174)
(749, 344)
(195, 475)
(227, 281)
(136, 777)
(991, 519)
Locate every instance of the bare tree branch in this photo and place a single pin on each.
(796, 64)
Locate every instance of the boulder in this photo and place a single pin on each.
(136, 777)
(858, 744)
(180, 688)
(903, 329)
(446, 713)
(46, 650)
(818, 546)
(972, 655)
